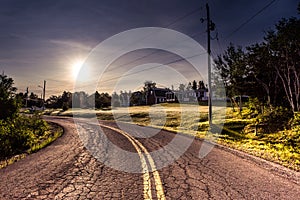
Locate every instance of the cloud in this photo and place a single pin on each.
(72, 44)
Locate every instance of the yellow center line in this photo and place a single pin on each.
(158, 184)
(147, 183)
(146, 174)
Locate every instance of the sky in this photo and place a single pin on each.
(49, 39)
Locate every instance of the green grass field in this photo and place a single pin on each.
(238, 132)
(54, 132)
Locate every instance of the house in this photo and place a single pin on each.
(171, 97)
(187, 95)
(202, 94)
(156, 95)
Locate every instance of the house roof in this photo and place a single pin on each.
(160, 92)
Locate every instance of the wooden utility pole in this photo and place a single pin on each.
(209, 66)
(44, 93)
(26, 100)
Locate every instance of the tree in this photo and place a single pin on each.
(181, 87)
(261, 69)
(201, 85)
(53, 102)
(97, 100)
(268, 70)
(284, 47)
(66, 100)
(232, 68)
(189, 86)
(115, 100)
(148, 85)
(194, 86)
(105, 100)
(22, 98)
(9, 104)
(274, 64)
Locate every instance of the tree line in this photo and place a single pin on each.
(268, 71)
(98, 100)
(79, 100)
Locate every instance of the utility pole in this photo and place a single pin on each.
(209, 27)
(44, 93)
(27, 93)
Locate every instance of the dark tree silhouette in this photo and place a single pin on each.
(9, 104)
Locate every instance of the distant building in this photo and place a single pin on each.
(162, 95)
(156, 95)
(187, 95)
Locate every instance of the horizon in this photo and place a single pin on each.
(50, 40)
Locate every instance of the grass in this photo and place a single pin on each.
(273, 147)
(282, 147)
(55, 132)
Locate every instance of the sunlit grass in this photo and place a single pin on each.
(238, 131)
(47, 139)
(50, 136)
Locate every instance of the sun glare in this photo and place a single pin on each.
(76, 68)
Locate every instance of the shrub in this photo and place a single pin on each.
(65, 106)
(255, 107)
(38, 125)
(275, 119)
(296, 120)
(20, 133)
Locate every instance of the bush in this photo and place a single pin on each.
(255, 107)
(275, 119)
(19, 134)
(65, 106)
(296, 119)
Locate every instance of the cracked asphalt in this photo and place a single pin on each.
(68, 170)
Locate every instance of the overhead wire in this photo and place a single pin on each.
(150, 68)
(250, 19)
(152, 53)
(155, 52)
(142, 70)
(166, 26)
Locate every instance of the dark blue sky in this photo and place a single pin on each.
(40, 39)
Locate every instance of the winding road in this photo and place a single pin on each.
(70, 168)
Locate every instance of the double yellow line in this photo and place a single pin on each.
(144, 156)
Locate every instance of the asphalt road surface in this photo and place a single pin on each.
(68, 169)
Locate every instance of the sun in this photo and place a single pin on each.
(76, 66)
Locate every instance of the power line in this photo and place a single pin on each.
(153, 53)
(150, 68)
(167, 26)
(248, 20)
(184, 16)
(160, 65)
